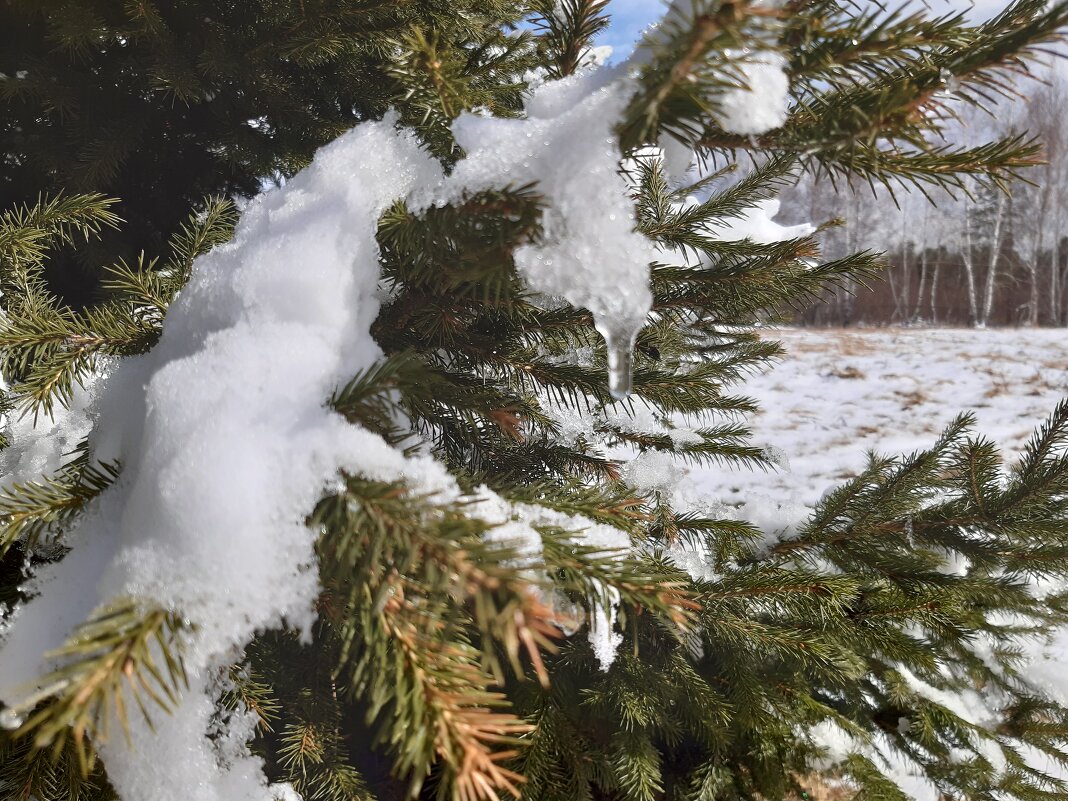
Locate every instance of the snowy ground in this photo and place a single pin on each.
(840, 393)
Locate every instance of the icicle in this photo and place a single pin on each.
(603, 637)
(619, 342)
(10, 719)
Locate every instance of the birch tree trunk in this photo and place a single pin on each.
(934, 293)
(969, 267)
(1054, 289)
(995, 258)
(917, 314)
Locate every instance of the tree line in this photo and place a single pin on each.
(982, 256)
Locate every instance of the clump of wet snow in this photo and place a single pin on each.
(604, 639)
(758, 224)
(591, 254)
(226, 444)
(284, 791)
(42, 444)
(226, 439)
(762, 103)
(653, 471)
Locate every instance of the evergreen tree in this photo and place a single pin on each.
(163, 103)
(527, 611)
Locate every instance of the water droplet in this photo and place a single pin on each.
(620, 345)
(10, 719)
(951, 81)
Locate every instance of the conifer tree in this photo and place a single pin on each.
(164, 102)
(493, 591)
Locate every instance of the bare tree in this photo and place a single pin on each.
(967, 254)
(1001, 204)
(1042, 197)
(979, 258)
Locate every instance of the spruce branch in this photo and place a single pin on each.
(374, 524)
(435, 89)
(446, 691)
(685, 74)
(122, 654)
(881, 128)
(313, 755)
(250, 690)
(29, 775)
(32, 510)
(51, 352)
(209, 225)
(437, 78)
(399, 631)
(47, 349)
(566, 32)
(28, 231)
(834, 43)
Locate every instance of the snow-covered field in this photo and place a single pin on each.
(840, 393)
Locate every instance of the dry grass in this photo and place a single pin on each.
(821, 788)
(845, 343)
(911, 398)
(849, 371)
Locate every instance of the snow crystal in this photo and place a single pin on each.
(597, 56)
(11, 719)
(835, 741)
(570, 425)
(516, 525)
(676, 157)
(230, 729)
(685, 436)
(777, 519)
(603, 637)
(762, 104)
(777, 456)
(950, 81)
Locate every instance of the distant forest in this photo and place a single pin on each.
(972, 259)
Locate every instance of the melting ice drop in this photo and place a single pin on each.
(10, 719)
(619, 343)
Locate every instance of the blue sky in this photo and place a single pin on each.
(630, 17)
